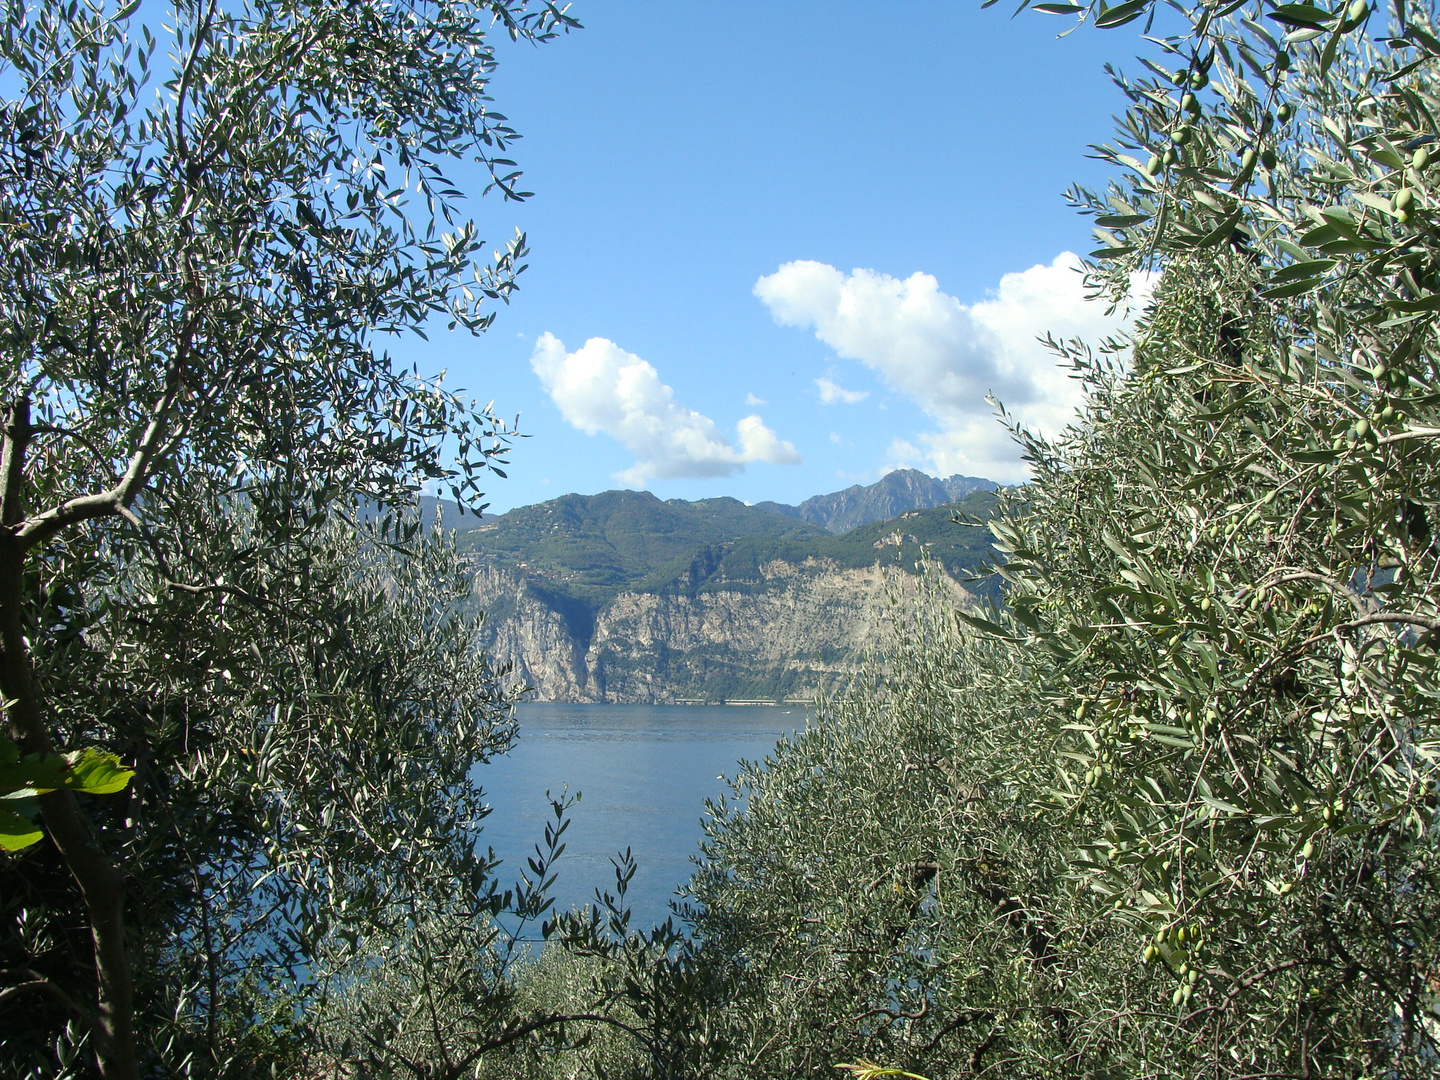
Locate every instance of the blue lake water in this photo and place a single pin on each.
(643, 772)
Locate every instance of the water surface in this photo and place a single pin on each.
(643, 772)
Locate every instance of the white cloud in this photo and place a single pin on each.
(752, 400)
(759, 443)
(947, 356)
(602, 388)
(831, 392)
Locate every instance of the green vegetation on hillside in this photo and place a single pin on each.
(959, 546)
(590, 546)
(578, 551)
(578, 554)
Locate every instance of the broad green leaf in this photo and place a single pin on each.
(16, 830)
(97, 773)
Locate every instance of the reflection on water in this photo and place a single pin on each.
(642, 771)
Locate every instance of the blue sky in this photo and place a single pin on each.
(780, 248)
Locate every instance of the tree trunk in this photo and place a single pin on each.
(102, 883)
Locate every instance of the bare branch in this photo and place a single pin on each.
(116, 501)
(40, 985)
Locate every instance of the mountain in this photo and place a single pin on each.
(621, 597)
(790, 632)
(896, 492)
(592, 545)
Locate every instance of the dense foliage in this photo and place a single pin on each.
(200, 255)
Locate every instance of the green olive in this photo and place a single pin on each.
(1268, 158)
(1285, 111)
(1420, 159)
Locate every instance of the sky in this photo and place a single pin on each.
(779, 248)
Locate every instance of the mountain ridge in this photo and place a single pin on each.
(897, 491)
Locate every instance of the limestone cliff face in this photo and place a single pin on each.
(798, 629)
(525, 632)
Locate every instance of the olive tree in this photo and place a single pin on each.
(881, 886)
(201, 254)
(1230, 559)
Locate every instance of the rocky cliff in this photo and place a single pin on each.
(895, 493)
(797, 628)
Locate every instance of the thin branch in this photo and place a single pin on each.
(117, 499)
(69, 433)
(226, 590)
(186, 74)
(1241, 985)
(1412, 433)
(37, 983)
(1334, 585)
(894, 1014)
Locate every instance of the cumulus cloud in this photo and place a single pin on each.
(832, 392)
(947, 356)
(752, 400)
(601, 388)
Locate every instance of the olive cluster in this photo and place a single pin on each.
(1178, 946)
(1403, 201)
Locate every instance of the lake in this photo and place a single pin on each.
(643, 772)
